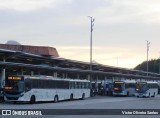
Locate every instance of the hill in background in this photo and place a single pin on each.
(153, 66)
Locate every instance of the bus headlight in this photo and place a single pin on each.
(7, 88)
(116, 89)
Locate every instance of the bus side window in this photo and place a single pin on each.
(71, 85)
(127, 85)
(83, 85)
(76, 86)
(27, 85)
(149, 86)
(86, 85)
(79, 85)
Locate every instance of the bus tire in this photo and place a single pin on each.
(83, 96)
(2, 99)
(127, 94)
(149, 95)
(33, 99)
(56, 99)
(71, 97)
(154, 95)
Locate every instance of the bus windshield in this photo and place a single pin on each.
(14, 86)
(118, 86)
(141, 87)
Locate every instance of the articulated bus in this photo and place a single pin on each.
(146, 89)
(44, 88)
(125, 88)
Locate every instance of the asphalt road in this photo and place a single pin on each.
(97, 103)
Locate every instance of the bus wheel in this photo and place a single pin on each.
(71, 97)
(2, 99)
(149, 95)
(83, 96)
(154, 95)
(127, 94)
(56, 98)
(33, 99)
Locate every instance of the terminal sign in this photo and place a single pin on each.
(14, 78)
(141, 82)
(119, 82)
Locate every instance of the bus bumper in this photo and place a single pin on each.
(122, 93)
(9, 97)
(140, 95)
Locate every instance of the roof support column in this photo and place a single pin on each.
(55, 74)
(113, 79)
(3, 74)
(39, 73)
(64, 75)
(21, 71)
(88, 77)
(105, 83)
(32, 73)
(77, 75)
(97, 78)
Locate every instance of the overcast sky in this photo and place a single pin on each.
(120, 28)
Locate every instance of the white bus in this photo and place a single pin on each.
(146, 89)
(126, 88)
(44, 88)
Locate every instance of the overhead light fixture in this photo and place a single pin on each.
(29, 59)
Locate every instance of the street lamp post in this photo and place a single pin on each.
(92, 24)
(90, 77)
(159, 63)
(148, 43)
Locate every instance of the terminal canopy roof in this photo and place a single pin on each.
(18, 59)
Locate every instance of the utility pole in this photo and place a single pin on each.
(148, 43)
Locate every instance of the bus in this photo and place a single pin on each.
(125, 88)
(146, 89)
(44, 88)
